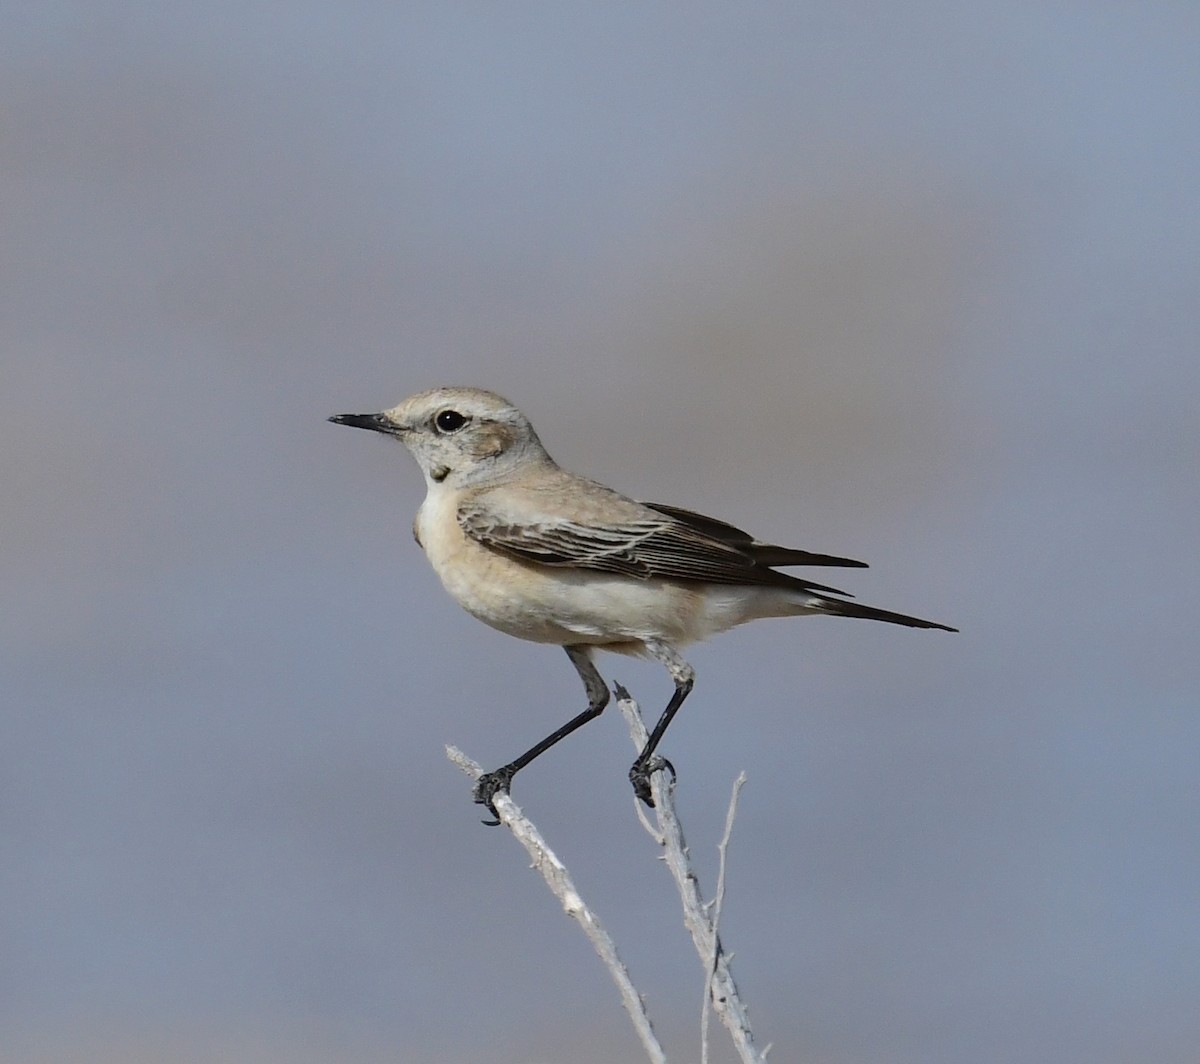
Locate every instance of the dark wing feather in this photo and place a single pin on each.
(669, 549)
(763, 553)
(708, 526)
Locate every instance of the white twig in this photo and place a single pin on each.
(557, 878)
(727, 1003)
(715, 908)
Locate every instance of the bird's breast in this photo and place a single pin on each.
(498, 590)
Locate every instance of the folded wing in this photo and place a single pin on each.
(651, 542)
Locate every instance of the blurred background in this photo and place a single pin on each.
(910, 283)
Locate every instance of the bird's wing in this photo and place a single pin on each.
(625, 538)
(763, 553)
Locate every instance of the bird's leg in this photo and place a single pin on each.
(492, 783)
(648, 762)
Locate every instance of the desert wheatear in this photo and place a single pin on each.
(549, 556)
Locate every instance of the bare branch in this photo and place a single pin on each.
(715, 908)
(557, 878)
(727, 1003)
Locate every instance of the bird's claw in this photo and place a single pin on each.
(488, 786)
(640, 773)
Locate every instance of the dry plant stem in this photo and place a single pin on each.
(727, 1003)
(715, 908)
(557, 878)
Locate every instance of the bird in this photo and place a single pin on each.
(546, 555)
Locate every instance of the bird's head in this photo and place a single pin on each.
(458, 436)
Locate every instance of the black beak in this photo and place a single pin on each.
(374, 422)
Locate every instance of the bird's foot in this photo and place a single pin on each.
(640, 773)
(491, 784)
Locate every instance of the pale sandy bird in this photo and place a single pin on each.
(549, 556)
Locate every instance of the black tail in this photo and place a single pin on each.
(857, 609)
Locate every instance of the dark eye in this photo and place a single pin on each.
(450, 420)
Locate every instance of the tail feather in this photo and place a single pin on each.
(857, 609)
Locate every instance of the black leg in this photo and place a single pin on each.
(648, 762)
(492, 783)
